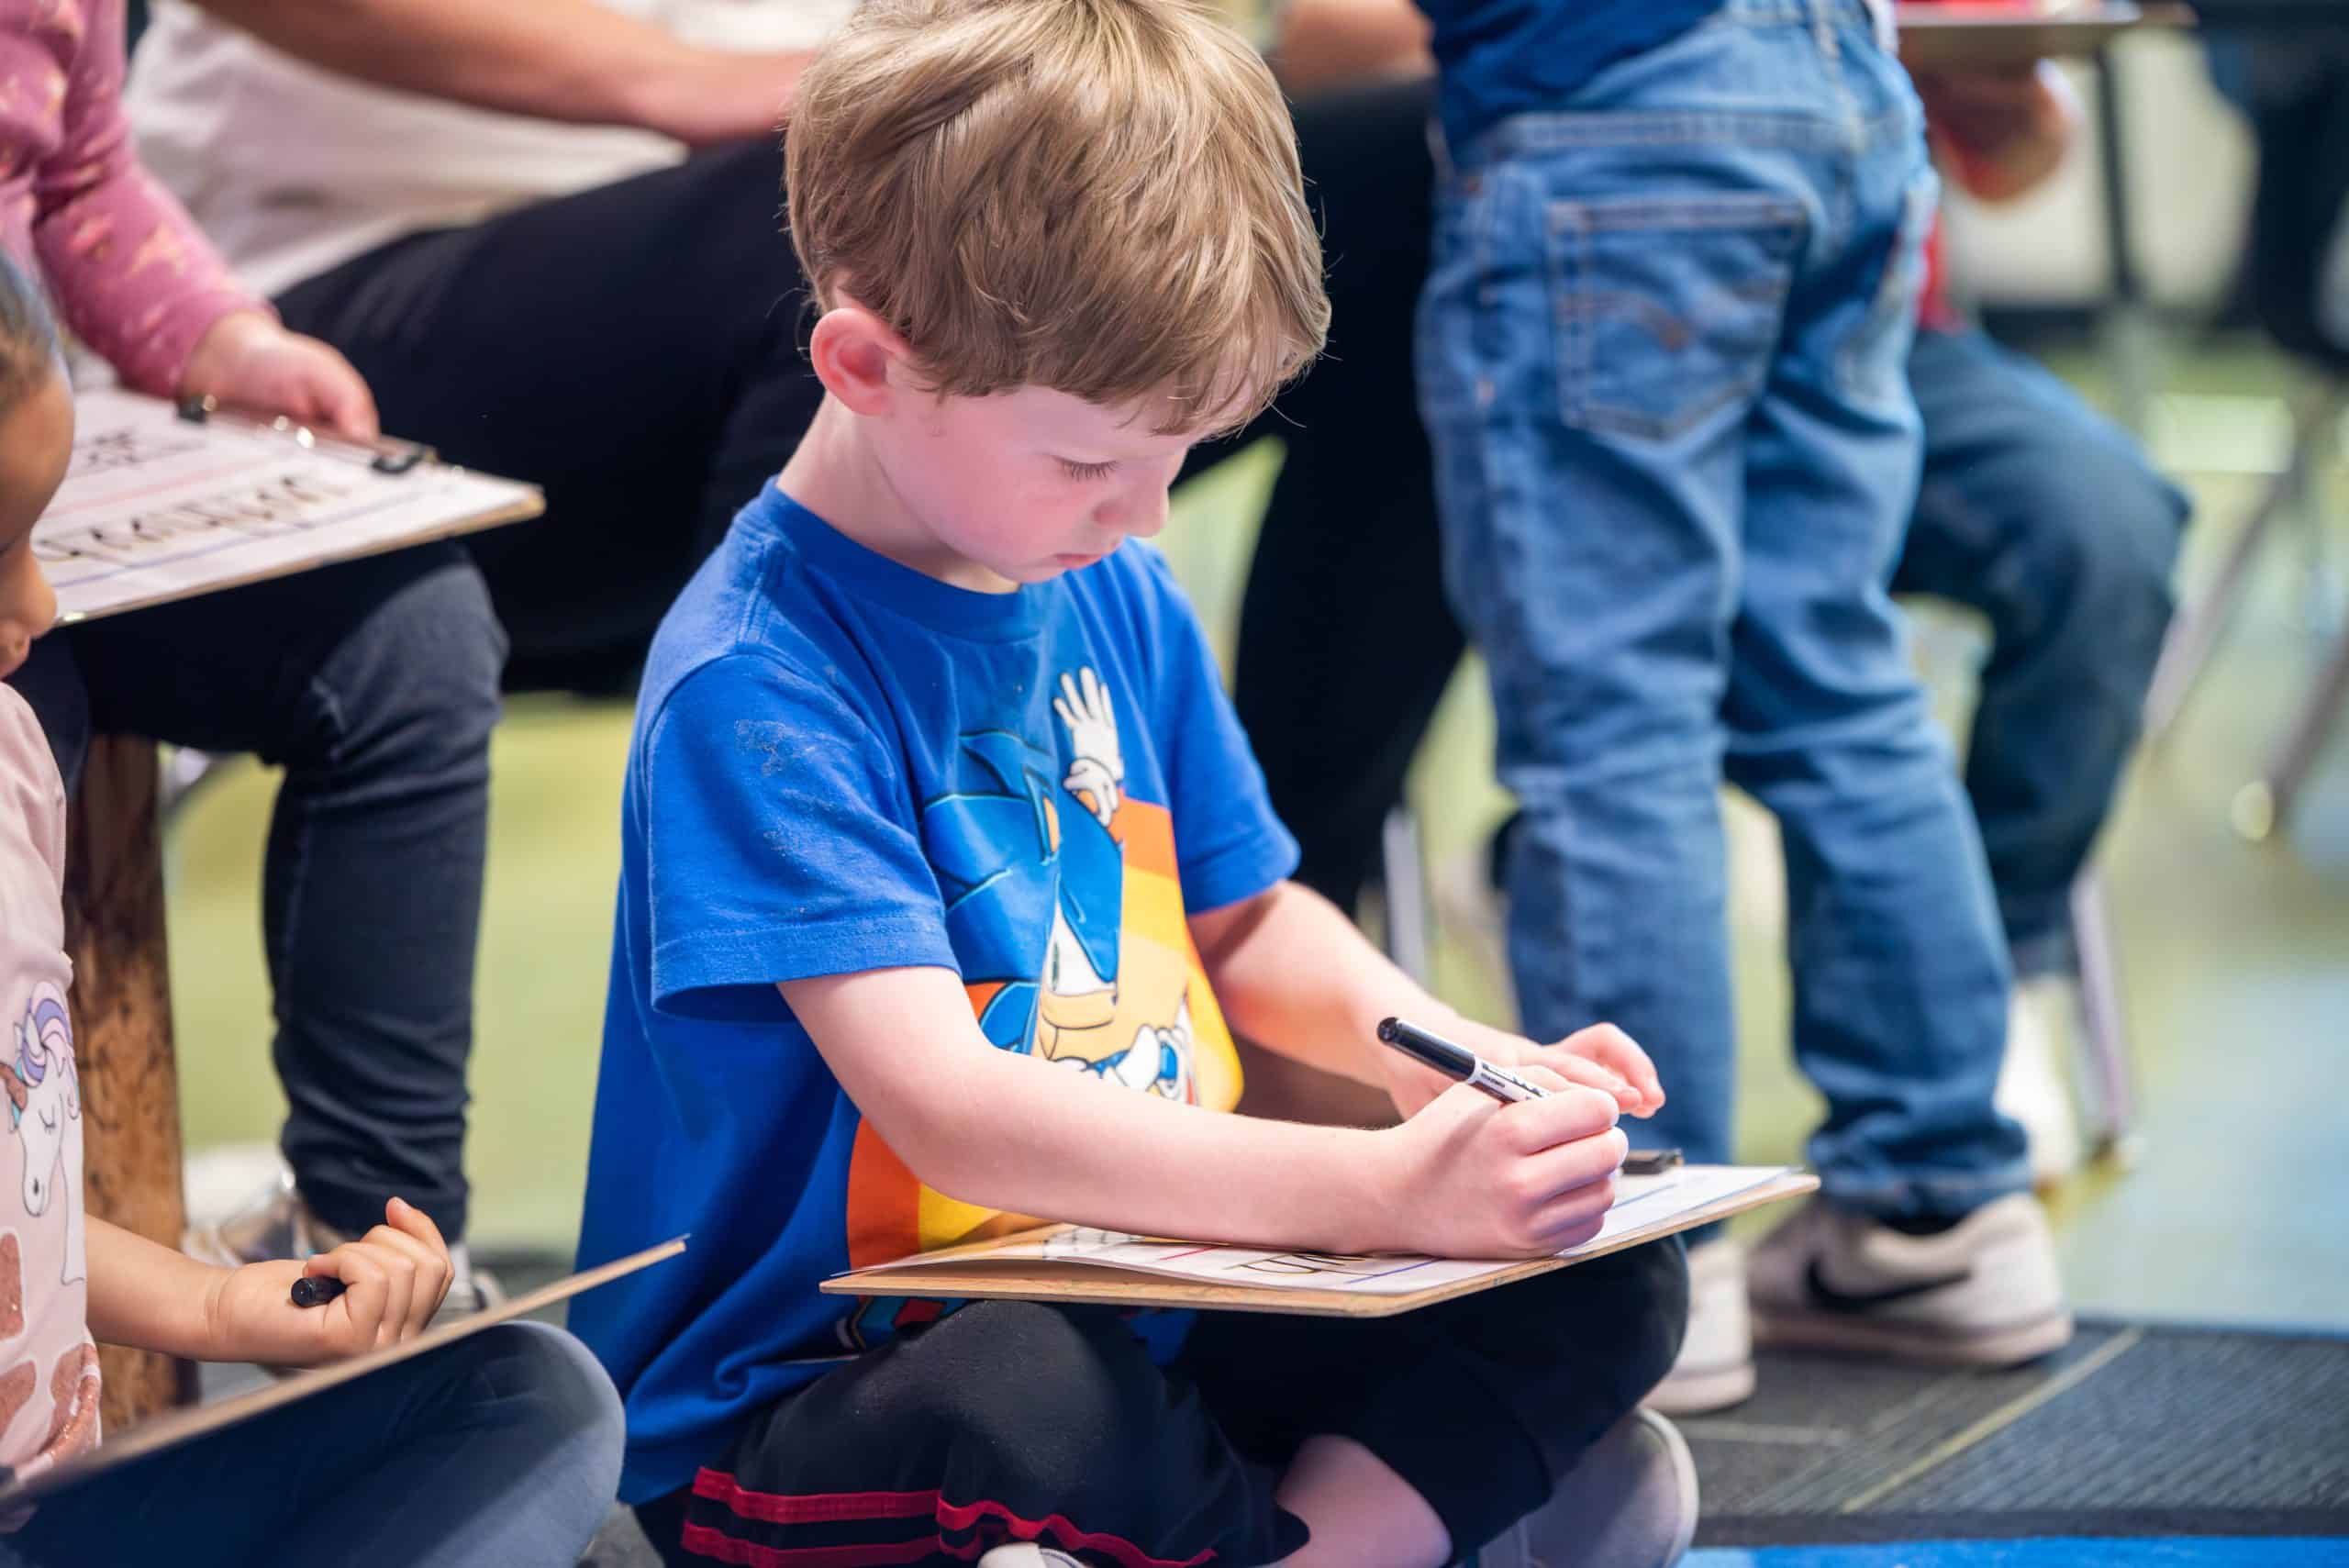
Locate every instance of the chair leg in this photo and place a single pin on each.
(1410, 918)
(2196, 632)
(2110, 1077)
(2264, 805)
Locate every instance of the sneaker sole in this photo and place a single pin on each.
(1684, 1471)
(1702, 1392)
(1894, 1340)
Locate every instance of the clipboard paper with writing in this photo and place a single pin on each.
(184, 1426)
(158, 505)
(1063, 1262)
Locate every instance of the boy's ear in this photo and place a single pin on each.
(853, 351)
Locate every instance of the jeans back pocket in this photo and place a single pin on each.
(1667, 309)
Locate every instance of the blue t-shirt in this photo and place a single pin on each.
(1498, 58)
(841, 765)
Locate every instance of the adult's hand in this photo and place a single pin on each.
(2004, 130)
(574, 61)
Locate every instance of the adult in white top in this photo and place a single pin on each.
(547, 232)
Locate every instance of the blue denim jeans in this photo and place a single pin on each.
(1663, 363)
(2045, 517)
(501, 1450)
(373, 684)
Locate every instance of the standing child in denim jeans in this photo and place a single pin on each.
(1662, 348)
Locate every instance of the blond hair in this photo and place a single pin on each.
(1097, 196)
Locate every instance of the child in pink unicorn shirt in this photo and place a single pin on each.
(503, 1448)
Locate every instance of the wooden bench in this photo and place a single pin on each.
(121, 1002)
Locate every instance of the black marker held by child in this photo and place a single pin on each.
(316, 1290)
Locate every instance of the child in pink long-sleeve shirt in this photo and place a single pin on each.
(129, 272)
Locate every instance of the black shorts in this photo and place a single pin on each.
(1018, 1420)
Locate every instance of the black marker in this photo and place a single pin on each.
(316, 1290)
(1457, 1062)
(1454, 1061)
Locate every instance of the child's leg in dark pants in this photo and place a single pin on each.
(1015, 1421)
(503, 1449)
(1481, 1404)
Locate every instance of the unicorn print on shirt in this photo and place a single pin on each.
(45, 1110)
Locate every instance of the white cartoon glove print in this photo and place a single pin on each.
(1098, 773)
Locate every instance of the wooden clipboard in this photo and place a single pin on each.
(954, 1277)
(185, 1426)
(1962, 37)
(166, 502)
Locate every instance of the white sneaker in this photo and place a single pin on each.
(1026, 1555)
(270, 1221)
(1983, 1293)
(1630, 1501)
(2041, 1025)
(1715, 1368)
(275, 1222)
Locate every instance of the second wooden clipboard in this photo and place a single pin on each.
(1091, 1283)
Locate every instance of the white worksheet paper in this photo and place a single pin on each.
(156, 508)
(1641, 1203)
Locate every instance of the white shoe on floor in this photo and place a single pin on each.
(1983, 1293)
(1027, 1554)
(270, 1220)
(1715, 1368)
(2043, 1024)
(1630, 1501)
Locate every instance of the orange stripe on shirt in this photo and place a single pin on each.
(884, 1203)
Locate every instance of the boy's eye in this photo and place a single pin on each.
(1083, 471)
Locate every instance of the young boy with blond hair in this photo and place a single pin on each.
(948, 878)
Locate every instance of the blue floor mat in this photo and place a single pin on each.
(2193, 1552)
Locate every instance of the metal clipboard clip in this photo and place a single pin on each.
(392, 457)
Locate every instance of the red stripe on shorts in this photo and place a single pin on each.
(835, 1507)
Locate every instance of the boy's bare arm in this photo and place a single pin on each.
(1466, 1177)
(558, 60)
(1296, 977)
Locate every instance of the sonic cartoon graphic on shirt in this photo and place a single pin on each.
(1064, 906)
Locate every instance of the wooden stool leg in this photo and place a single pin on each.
(122, 1031)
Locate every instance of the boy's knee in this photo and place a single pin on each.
(1625, 1313)
(1042, 1388)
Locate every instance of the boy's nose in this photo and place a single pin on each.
(1137, 513)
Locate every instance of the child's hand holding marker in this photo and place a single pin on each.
(1602, 1056)
(375, 1291)
(1517, 1160)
